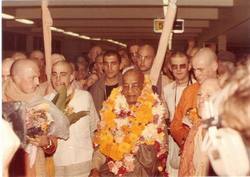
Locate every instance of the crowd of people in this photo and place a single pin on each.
(133, 128)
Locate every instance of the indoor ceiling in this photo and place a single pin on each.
(126, 20)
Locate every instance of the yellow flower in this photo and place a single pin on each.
(115, 154)
(124, 147)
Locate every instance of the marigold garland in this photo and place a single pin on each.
(123, 128)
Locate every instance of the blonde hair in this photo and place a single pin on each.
(235, 106)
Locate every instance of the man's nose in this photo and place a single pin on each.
(109, 66)
(37, 81)
(142, 60)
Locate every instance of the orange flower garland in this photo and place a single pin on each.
(123, 128)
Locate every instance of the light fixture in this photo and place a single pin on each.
(84, 37)
(116, 42)
(25, 21)
(7, 16)
(71, 33)
(56, 29)
(95, 39)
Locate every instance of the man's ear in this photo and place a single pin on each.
(72, 77)
(120, 66)
(215, 66)
(169, 67)
(189, 67)
(16, 79)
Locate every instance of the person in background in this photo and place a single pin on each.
(91, 80)
(93, 53)
(101, 90)
(6, 65)
(98, 66)
(125, 60)
(10, 144)
(146, 56)
(194, 161)
(133, 52)
(167, 76)
(18, 56)
(38, 57)
(180, 67)
(73, 157)
(205, 66)
(24, 86)
(226, 61)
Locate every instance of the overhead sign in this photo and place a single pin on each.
(177, 28)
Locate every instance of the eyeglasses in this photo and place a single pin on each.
(181, 66)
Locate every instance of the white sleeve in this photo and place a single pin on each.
(94, 118)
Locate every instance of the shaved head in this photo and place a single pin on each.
(62, 75)
(25, 74)
(23, 65)
(146, 55)
(204, 64)
(55, 57)
(132, 85)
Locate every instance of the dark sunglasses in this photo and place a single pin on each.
(181, 66)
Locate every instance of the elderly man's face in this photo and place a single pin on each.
(207, 90)
(132, 87)
(29, 80)
(145, 58)
(202, 70)
(61, 75)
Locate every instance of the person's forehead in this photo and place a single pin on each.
(131, 78)
(200, 62)
(134, 48)
(110, 58)
(99, 59)
(61, 67)
(178, 60)
(146, 50)
(96, 49)
(37, 54)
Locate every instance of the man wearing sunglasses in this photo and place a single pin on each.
(205, 66)
(180, 68)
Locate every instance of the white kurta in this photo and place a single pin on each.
(78, 148)
(172, 95)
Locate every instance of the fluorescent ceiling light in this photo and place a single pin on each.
(84, 37)
(116, 42)
(96, 39)
(25, 21)
(7, 16)
(56, 29)
(71, 33)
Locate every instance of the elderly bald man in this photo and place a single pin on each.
(194, 161)
(24, 86)
(205, 66)
(24, 82)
